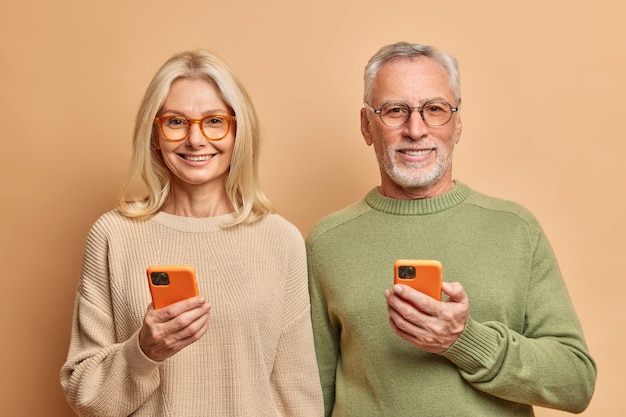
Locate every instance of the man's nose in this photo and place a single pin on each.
(416, 127)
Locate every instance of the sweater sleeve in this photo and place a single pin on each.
(103, 375)
(326, 340)
(294, 377)
(548, 363)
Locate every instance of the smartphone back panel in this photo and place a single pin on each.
(423, 275)
(171, 283)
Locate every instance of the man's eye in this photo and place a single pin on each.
(435, 108)
(176, 122)
(395, 110)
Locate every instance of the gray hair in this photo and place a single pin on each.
(405, 50)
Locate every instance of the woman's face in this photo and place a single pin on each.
(195, 162)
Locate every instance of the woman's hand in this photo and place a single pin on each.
(168, 330)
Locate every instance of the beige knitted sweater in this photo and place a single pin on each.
(257, 358)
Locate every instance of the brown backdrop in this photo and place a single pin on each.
(543, 92)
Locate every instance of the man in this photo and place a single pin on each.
(504, 338)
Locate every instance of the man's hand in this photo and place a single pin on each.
(426, 323)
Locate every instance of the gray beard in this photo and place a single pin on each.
(411, 177)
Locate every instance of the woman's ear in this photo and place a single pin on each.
(154, 142)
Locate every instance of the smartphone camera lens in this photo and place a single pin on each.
(406, 272)
(160, 278)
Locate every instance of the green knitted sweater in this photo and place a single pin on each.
(522, 344)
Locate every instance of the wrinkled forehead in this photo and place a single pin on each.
(412, 80)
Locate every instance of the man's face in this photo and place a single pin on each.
(415, 159)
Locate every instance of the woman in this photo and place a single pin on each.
(244, 347)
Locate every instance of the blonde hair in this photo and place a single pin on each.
(147, 166)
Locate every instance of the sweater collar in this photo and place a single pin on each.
(192, 224)
(442, 202)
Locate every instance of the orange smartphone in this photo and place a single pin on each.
(171, 283)
(423, 275)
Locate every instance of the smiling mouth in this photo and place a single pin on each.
(420, 152)
(197, 158)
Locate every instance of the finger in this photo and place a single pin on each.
(419, 300)
(400, 325)
(171, 311)
(455, 292)
(194, 331)
(413, 333)
(187, 318)
(406, 316)
(419, 335)
(162, 340)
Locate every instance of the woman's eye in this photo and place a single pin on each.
(176, 122)
(214, 121)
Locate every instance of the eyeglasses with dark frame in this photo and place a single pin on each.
(397, 113)
(177, 128)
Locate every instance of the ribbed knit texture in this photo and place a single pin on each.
(257, 358)
(522, 344)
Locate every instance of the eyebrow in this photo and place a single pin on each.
(212, 112)
(420, 103)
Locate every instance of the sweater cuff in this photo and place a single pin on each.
(138, 363)
(475, 348)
